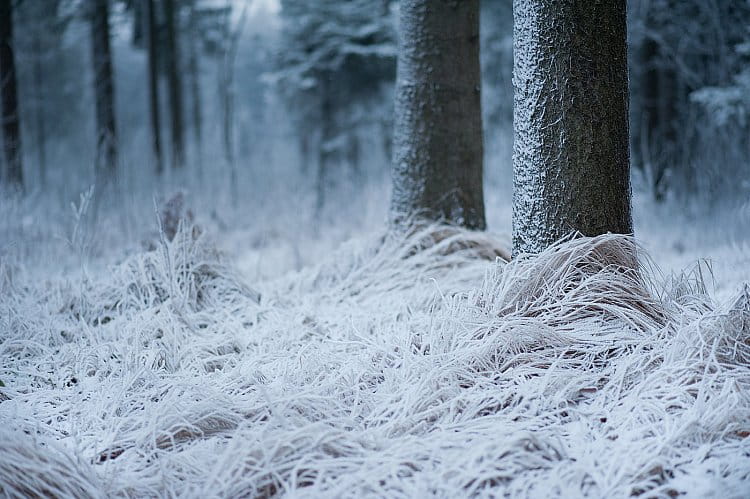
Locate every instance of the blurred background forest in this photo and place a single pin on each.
(277, 113)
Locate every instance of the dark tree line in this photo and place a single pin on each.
(156, 29)
(688, 61)
(337, 63)
(172, 33)
(333, 70)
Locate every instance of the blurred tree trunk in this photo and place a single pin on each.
(325, 146)
(437, 162)
(353, 156)
(41, 128)
(570, 155)
(656, 135)
(104, 90)
(140, 26)
(226, 85)
(153, 82)
(9, 113)
(304, 151)
(195, 89)
(174, 83)
(226, 95)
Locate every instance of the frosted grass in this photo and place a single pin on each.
(400, 366)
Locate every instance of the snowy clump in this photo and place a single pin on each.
(405, 365)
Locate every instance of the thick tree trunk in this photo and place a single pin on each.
(174, 83)
(153, 82)
(570, 154)
(9, 113)
(104, 90)
(437, 161)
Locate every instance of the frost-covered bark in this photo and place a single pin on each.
(106, 140)
(9, 113)
(570, 155)
(437, 170)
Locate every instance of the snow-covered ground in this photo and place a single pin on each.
(264, 357)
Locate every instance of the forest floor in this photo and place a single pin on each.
(256, 362)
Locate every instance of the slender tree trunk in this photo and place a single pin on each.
(658, 134)
(647, 106)
(304, 151)
(226, 91)
(226, 87)
(667, 133)
(195, 90)
(140, 24)
(226, 94)
(353, 156)
(437, 170)
(41, 128)
(227, 110)
(9, 112)
(153, 82)
(386, 130)
(104, 90)
(570, 155)
(174, 83)
(325, 152)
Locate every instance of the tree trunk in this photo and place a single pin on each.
(9, 113)
(227, 109)
(570, 153)
(226, 87)
(174, 83)
(437, 162)
(39, 112)
(104, 90)
(657, 135)
(325, 147)
(304, 151)
(153, 82)
(354, 156)
(195, 89)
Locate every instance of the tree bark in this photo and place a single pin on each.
(438, 149)
(104, 90)
(9, 112)
(570, 154)
(174, 83)
(153, 82)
